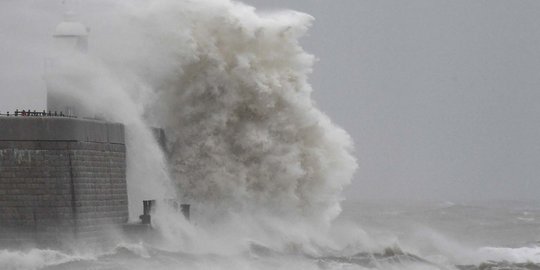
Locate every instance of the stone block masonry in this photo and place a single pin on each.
(60, 179)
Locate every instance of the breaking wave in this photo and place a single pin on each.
(515, 255)
(244, 134)
(141, 256)
(35, 259)
(247, 147)
(246, 144)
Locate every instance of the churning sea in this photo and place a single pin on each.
(398, 235)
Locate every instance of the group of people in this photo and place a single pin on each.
(35, 113)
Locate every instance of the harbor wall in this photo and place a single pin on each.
(60, 179)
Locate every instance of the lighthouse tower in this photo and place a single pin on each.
(70, 35)
(70, 39)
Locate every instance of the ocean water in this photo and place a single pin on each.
(451, 234)
(263, 168)
(394, 235)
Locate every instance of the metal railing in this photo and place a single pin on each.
(34, 113)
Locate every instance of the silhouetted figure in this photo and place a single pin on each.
(147, 209)
(185, 210)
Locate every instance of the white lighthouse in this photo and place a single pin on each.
(70, 39)
(70, 35)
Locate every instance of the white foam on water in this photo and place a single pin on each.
(36, 259)
(514, 255)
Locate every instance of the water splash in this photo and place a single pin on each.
(244, 133)
(230, 87)
(247, 145)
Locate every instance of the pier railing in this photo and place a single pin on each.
(34, 113)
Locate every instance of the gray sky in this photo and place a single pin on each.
(440, 97)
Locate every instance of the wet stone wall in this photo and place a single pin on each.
(54, 191)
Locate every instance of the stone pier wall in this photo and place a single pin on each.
(60, 179)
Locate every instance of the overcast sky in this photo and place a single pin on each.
(442, 98)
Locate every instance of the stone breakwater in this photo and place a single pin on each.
(60, 179)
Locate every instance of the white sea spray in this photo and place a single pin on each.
(246, 144)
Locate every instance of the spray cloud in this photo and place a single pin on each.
(246, 144)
